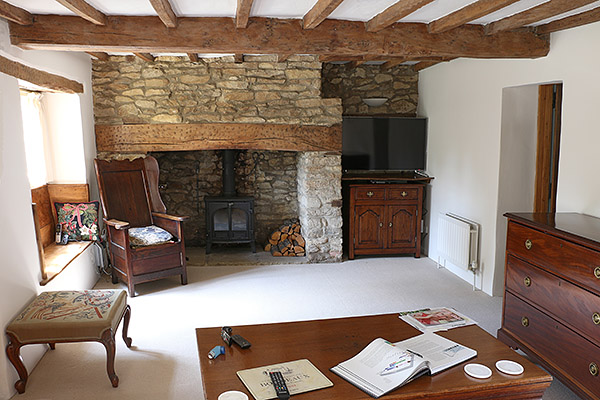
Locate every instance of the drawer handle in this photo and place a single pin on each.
(525, 322)
(594, 369)
(381, 224)
(370, 194)
(390, 224)
(597, 272)
(527, 281)
(596, 318)
(404, 194)
(528, 244)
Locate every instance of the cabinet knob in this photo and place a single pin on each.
(370, 194)
(404, 194)
(597, 272)
(528, 244)
(596, 318)
(381, 224)
(525, 321)
(390, 224)
(594, 369)
(527, 281)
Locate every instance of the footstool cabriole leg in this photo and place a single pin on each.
(108, 340)
(13, 351)
(126, 317)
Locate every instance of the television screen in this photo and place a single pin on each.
(384, 144)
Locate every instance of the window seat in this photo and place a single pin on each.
(54, 258)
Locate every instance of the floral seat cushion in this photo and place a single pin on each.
(149, 236)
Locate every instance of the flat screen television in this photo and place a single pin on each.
(384, 144)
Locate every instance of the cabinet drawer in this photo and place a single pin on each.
(560, 347)
(403, 193)
(567, 259)
(369, 193)
(576, 307)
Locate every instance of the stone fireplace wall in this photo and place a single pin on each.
(260, 90)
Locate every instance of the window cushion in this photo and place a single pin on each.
(78, 220)
(149, 236)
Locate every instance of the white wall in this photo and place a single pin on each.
(463, 100)
(19, 263)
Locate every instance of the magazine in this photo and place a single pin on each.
(435, 319)
(383, 366)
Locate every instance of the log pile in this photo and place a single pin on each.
(287, 241)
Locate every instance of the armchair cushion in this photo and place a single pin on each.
(149, 236)
(79, 220)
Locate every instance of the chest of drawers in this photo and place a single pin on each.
(552, 295)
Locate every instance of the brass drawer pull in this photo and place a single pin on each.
(370, 194)
(404, 194)
(594, 369)
(528, 244)
(596, 318)
(525, 322)
(597, 272)
(381, 224)
(390, 224)
(527, 281)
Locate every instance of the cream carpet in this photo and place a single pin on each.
(163, 361)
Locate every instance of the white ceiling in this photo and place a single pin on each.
(353, 10)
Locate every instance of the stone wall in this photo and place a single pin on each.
(398, 84)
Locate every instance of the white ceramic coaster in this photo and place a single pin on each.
(478, 371)
(233, 395)
(509, 367)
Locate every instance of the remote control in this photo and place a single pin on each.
(279, 384)
(240, 341)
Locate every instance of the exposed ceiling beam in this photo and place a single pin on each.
(538, 13)
(319, 12)
(270, 36)
(15, 14)
(573, 21)
(84, 10)
(283, 57)
(395, 12)
(193, 57)
(242, 13)
(40, 78)
(392, 63)
(466, 14)
(165, 12)
(98, 55)
(238, 58)
(145, 56)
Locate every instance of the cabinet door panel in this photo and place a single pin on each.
(368, 224)
(402, 226)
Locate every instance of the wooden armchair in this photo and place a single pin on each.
(130, 199)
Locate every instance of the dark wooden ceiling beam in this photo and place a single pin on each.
(40, 78)
(238, 58)
(193, 57)
(393, 63)
(466, 14)
(270, 36)
(535, 14)
(98, 55)
(573, 21)
(319, 12)
(85, 11)
(394, 13)
(15, 14)
(283, 57)
(165, 12)
(145, 56)
(242, 13)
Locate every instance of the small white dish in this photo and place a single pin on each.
(509, 367)
(233, 395)
(478, 371)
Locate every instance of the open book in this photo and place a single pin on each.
(383, 366)
(435, 319)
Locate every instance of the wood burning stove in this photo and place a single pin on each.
(229, 218)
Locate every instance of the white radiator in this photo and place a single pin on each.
(458, 241)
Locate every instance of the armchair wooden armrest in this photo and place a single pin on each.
(115, 223)
(170, 217)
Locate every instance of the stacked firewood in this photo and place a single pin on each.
(286, 241)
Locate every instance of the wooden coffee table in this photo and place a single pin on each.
(328, 342)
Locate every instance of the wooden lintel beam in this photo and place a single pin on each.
(466, 14)
(532, 15)
(573, 21)
(354, 64)
(392, 63)
(238, 58)
(85, 11)
(395, 12)
(98, 55)
(165, 12)
(424, 64)
(242, 13)
(39, 78)
(15, 14)
(271, 36)
(193, 57)
(145, 56)
(145, 138)
(319, 12)
(283, 57)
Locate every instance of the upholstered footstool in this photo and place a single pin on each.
(69, 316)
